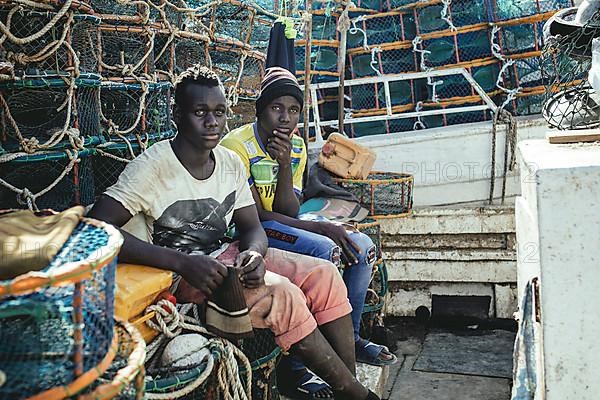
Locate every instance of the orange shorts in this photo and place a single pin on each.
(300, 293)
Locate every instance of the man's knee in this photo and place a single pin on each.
(368, 250)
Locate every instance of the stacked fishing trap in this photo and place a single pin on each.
(498, 42)
(86, 85)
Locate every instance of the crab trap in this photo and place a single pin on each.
(391, 60)
(376, 29)
(323, 60)
(384, 194)
(126, 51)
(56, 325)
(56, 180)
(570, 100)
(136, 111)
(48, 113)
(70, 45)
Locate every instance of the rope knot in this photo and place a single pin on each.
(17, 58)
(26, 198)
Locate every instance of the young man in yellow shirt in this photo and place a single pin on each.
(275, 159)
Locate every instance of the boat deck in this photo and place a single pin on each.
(481, 351)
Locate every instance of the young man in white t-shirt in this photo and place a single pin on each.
(188, 190)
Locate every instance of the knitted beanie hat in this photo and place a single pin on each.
(278, 82)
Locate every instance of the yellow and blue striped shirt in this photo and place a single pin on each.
(261, 169)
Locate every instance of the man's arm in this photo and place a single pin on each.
(252, 235)
(335, 232)
(253, 246)
(285, 201)
(202, 272)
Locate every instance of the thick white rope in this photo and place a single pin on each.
(26, 197)
(445, 16)
(419, 123)
(171, 323)
(374, 60)
(424, 67)
(354, 30)
(511, 94)
(49, 50)
(6, 31)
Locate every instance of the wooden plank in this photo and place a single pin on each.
(573, 136)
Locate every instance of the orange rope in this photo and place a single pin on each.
(526, 20)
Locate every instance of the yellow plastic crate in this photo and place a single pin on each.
(137, 288)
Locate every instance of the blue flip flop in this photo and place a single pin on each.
(306, 387)
(370, 353)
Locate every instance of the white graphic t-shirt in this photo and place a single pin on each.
(180, 211)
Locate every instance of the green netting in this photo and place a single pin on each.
(468, 12)
(322, 58)
(126, 52)
(383, 29)
(370, 128)
(453, 86)
(37, 331)
(76, 187)
(457, 48)
(50, 52)
(441, 120)
(233, 20)
(370, 96)
(383, 62)
(372, 229)
(125, 373)
(383, 194)
(520, 38)
(125, 105)
(370, 4)
(189, 52)
(527, 104)
(460, 13)
(324, 27)
(225, 63)
(501, 10)
(261, 31)
(251, 77)
(39, 107)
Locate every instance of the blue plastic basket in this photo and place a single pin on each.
(40, 314)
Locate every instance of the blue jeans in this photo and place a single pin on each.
(357, 277)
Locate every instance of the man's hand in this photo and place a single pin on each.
(203, 272)
(253, 268)
(279, 147)
(340, 236)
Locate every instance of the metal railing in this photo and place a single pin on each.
(317, 123)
